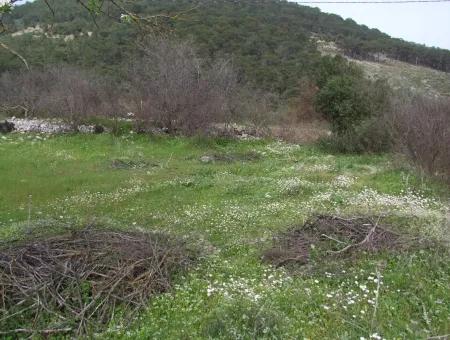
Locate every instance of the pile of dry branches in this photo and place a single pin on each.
(78, 282)
(335, 236)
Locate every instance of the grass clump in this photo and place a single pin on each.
(236, 317)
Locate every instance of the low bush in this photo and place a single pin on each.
(373, 135)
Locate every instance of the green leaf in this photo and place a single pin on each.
(6, 8)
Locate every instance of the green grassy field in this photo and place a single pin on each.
(231, 208)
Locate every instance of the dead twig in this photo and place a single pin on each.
(83, 277)
(36, 331)
(353, 234)
(366, 239)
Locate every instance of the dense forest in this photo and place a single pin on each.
(268, 41)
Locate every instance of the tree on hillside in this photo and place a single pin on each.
(95, 8)
(346, 97)
(272, 43)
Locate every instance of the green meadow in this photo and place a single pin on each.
(229, 199)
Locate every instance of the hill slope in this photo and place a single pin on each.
(400, 75)
(269, 41)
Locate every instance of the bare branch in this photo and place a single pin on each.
(44, 332)
(17, 54)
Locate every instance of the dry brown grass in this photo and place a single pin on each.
(302, 132)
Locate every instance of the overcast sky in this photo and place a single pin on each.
(424, 23)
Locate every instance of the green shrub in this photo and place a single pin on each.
(355, 106)
(328, 67)
(346, 101)
(373, 135)
(346, 97)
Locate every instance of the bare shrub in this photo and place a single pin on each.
(174, 89)
(20, 93)
(298, 121)
(168, 87)
(254, 108)
(57, 92)
(422, 132)
(301, 108)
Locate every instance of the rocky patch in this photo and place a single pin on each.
(51, 126)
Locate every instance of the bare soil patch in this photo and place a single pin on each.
(77, 282)
(231, 157)
(129, 164)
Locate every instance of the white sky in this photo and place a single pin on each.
(424, 23)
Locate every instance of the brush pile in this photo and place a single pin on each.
(333, 236)
(76, 283)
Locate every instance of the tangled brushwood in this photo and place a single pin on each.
(332, 236)
(76, 283)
